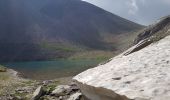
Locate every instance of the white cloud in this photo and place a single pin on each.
(133, 7)
(140, 11)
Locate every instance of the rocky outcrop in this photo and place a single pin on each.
(154, 30)
(151, 34)
(16, 88)
(60, 92)
(142, 74)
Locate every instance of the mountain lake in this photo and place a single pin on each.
(43, 70)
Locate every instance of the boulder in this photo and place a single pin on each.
(74, 87)
(38, 93)
(61, 90)
(76, 96)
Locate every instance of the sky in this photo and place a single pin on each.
(144, 12)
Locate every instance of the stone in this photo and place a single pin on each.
(74, 88)
(24, 89)
(38, 93)
(60, 98)
(18, 98)
(61, 90)
(45, 83)
(76, 96)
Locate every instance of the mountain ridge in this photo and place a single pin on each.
(53, 29)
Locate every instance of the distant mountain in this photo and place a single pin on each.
(50, 29)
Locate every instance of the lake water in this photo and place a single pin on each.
(43, 70)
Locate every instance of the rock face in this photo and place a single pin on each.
(151, 34)
(162, 26)
(140, 75)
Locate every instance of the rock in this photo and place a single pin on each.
(38, 93)
(74, 87)
(144, 74)
(61, 90)
(18, 98)
(10, 98)
(45, 83)
(60, 98)
(76, 96)
(142, 44)
(140, 99)
(151, 34)
(48, 97)
(26, 89)
(154, 30)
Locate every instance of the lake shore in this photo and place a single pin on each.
(13, 85)
(49, 70)
(18, 75)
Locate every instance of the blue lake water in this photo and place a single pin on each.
(43, 70)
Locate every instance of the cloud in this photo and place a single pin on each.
(141, 11)
(133, 7)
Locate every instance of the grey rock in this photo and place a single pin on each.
(38, 93)
(45, 83)
(76, 96)
(18, 98)
(27, 89)
(140, 98)
(61, 90)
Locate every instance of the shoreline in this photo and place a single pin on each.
(18, 75)
(15, 74)
(13, 85)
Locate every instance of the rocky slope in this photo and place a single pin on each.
(50, 29)
(13, 87)
(140, 73)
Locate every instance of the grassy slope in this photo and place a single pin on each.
(57, 22)
(10, 82)
(12, 85)
(123, 43)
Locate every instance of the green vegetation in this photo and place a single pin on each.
(4, 76)
(51, 38)
(21, 95)
(2, 69)
(28, 83)
(51, 46)
(9, 83)
(51, 86)
(98, 55)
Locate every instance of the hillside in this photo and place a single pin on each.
(140, 73)
(51, 29)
